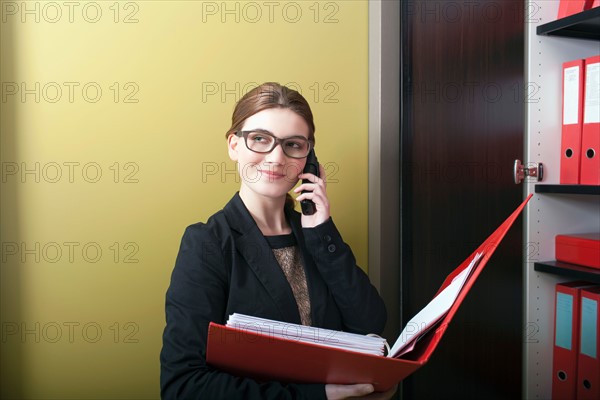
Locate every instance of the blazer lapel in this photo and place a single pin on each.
(255, 250)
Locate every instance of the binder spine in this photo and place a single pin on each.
(588, 371)
(590, 140)
(572, 113)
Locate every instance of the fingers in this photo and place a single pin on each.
(387, 395)
(310, 187)
(313, 179)
(316, 195)
(337, 392)
(314, 191)
(363, 391)
(316, 182)
(316, 179)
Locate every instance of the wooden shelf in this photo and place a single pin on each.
(575, 272)
(568, 189)
(583, 25)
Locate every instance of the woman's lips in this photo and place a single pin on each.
(271, 174)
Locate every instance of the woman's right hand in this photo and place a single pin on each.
(366, 391)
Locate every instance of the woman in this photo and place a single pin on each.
(260, 257)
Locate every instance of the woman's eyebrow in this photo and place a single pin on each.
(260, 130)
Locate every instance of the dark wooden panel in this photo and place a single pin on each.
(462, 129)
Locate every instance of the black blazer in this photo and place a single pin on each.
(227, 266)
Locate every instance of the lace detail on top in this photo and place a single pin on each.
(291, 264)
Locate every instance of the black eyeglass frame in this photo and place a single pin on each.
(276, 141)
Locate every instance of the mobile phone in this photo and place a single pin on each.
(311, 167)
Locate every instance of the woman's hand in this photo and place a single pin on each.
(317, 193)
(361, 391)
(338, 392)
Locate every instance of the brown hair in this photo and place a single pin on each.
(272, 95)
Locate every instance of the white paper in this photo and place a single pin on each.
(571, 95)
(309, 334)
(591, 105)
(433, 312)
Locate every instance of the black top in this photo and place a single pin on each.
(281, 241)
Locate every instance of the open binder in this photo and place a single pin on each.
(266, 357)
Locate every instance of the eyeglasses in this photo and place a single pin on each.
(261, 141)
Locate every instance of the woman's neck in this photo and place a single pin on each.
(268, 213)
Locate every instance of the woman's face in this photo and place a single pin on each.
(270, 174)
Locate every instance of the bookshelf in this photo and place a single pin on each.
(554, 208)
(571, 271)
(568, 189)
(585, 25)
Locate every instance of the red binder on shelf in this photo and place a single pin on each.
(265, 357)
(590, 138)
(588, 370)
(572, 122)
(590, 4)
(566, 335)
(581, 249)
(570, 7)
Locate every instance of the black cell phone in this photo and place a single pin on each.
(311, 167)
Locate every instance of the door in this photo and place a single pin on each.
(461, 130)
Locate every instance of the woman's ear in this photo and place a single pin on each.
(232, 144)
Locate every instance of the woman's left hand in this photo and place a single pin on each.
(316, 191)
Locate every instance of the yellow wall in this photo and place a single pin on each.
(124, 170)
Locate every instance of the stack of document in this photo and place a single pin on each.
(374, 345)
